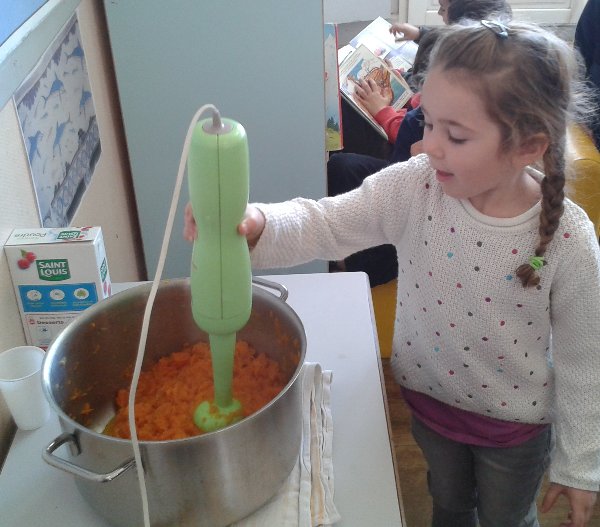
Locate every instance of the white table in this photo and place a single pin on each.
(337, 314)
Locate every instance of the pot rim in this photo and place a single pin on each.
(90, 312)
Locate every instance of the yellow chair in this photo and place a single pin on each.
(384, 306)
(583, 189)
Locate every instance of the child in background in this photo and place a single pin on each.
(496, 335)
(346, 171)
(405, 31)
(359, 136)
(451, 11)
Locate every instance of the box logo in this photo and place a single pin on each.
(68, 235)
(53, 270)
(103, 270)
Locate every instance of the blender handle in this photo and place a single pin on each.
(72, 468)
(283, 291)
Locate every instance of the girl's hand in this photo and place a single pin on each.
(251, 225)
(190, 232)
(416, 148)
(372, 98)
(581, 501)
(405, 31)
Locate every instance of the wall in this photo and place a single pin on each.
(340, 11)
(179, 59)
(108, 201)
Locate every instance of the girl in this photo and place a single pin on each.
(497, 323)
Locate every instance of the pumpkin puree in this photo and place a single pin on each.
(170, 391)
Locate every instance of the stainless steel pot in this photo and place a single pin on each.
(209, 480)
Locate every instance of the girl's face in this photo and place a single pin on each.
(463, 145)
(443, 10)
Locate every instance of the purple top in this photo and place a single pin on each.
(468, 427)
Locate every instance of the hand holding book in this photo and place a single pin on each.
(371, 96)
(363, 65)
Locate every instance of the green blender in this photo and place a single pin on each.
(221, 277)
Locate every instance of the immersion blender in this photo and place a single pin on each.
(221, 277)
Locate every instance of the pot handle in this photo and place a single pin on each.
(67, 466)
(283, 292)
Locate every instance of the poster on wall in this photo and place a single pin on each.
(58, 122)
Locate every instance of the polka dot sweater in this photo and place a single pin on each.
(467, 332)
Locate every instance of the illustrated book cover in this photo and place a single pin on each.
(363, 64)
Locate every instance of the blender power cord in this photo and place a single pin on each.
(150, 303)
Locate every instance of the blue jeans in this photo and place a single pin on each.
(497, 486)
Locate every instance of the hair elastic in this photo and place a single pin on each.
(537, 262)
(496, 27)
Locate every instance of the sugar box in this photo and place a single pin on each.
(56, 273)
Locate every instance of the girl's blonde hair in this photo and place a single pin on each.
(527, 79)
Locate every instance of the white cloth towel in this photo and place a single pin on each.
(306, 497)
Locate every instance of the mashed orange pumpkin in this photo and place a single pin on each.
(170, 391)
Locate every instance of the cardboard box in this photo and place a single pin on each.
(56, 273)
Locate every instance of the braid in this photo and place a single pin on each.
(530, 83)
(552, 208)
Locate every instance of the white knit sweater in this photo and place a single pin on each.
(467, 332)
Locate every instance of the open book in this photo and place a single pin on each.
(363, 64)
(373, 47)
(377, 38)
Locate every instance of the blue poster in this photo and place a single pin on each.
(58, 122)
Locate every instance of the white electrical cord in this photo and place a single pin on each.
(150, 303)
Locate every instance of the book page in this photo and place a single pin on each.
(377, 38)
(343, 52)
(402, 57)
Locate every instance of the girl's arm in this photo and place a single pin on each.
(303, 230)
(390, 120)
(405, 31)
(575, 312)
